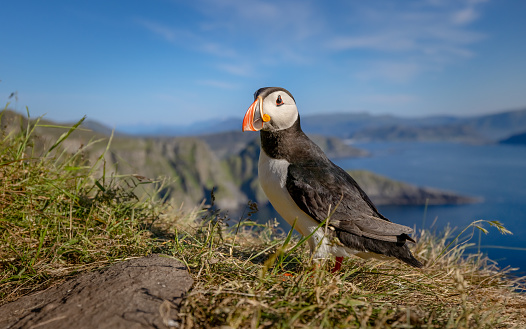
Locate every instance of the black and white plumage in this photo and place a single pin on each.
(301, 182)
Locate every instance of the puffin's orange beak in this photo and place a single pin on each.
(253, 120)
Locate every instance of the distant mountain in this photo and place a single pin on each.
(418, 133)
(519, 139)
(499, 125)
(367, 127)
(232, 142)
(346, 125)
(98, 127)
(225, 144)
(198, 128)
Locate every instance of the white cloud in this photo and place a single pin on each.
(187, 38)
(267, 33)
(392, 71)
(381, 41)
(410, 32)
(218, 84)
(431, 34)
(464, 16)
(244, 70)
(217, 49)
(285, 21)
(168, 33)
(404, 38)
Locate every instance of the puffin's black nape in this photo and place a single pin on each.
(265, 91)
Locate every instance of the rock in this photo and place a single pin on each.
(139, 293)
(519, 139)
(385, 191)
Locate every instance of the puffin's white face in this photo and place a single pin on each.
(277, 111)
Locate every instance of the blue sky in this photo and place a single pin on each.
(178, 62)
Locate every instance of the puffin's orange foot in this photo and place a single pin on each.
(338, 264)
(286, 276)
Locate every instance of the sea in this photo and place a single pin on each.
(495, 173)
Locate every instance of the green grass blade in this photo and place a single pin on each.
(65, 135)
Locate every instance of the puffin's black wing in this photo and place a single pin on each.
(321, 189)
(325, 189)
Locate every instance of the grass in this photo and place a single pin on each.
(60, 216)
(57, 219)
(245, 289)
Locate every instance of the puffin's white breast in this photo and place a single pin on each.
(273, 179)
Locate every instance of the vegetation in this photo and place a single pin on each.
(60, 216)
(57, 219)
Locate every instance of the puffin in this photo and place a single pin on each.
(307, 189)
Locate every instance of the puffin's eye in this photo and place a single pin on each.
(279, 101)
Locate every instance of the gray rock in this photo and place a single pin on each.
(139, 293)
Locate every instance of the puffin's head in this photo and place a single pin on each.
(273, 109)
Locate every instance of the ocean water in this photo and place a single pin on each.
(496, 173)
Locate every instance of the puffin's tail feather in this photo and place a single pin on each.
(392, 249)
(411, 260)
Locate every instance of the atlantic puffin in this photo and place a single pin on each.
(305, 187)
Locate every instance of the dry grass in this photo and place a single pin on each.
(57, 219)
(237, 286)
